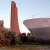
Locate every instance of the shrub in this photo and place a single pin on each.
(11, 38)
(23, 37)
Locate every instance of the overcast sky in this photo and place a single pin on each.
(26, 9)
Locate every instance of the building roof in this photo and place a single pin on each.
(36, 23)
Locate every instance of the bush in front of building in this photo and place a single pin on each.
(10, 38)
(23, 38)
(18, 40)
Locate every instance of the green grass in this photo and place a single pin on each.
(34, 46)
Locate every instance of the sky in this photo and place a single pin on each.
(26, 9)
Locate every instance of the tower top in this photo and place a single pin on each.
(14, 0)
(13, 4)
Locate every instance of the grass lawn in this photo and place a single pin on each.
(27, 47)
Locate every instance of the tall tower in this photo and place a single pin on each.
(14, 19)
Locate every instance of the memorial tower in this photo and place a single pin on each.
(14, 19)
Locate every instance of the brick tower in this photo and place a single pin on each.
(14, 19)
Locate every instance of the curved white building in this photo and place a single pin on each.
(40, 27)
